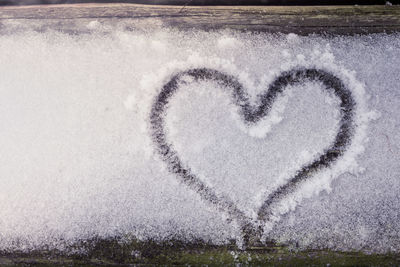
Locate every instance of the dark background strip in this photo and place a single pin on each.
(208, 2)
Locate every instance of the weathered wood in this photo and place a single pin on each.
(206, 2)
(296, 19)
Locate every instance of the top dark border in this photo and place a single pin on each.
(207, 2)
(303, 20)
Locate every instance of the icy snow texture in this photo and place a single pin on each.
(77, 159)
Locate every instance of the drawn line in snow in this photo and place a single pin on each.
(251, 230)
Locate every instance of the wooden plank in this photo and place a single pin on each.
(296, 19)
(207, 2)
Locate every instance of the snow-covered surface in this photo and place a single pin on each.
(77, 158)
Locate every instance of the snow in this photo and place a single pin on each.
(78, 159)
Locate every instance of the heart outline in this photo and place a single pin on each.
(252, 231)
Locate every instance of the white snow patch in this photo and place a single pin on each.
(78, 161)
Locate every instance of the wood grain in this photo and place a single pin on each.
(285, 19)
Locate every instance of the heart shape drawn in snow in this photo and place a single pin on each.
(252, 230)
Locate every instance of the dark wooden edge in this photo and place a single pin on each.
(285, 19)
